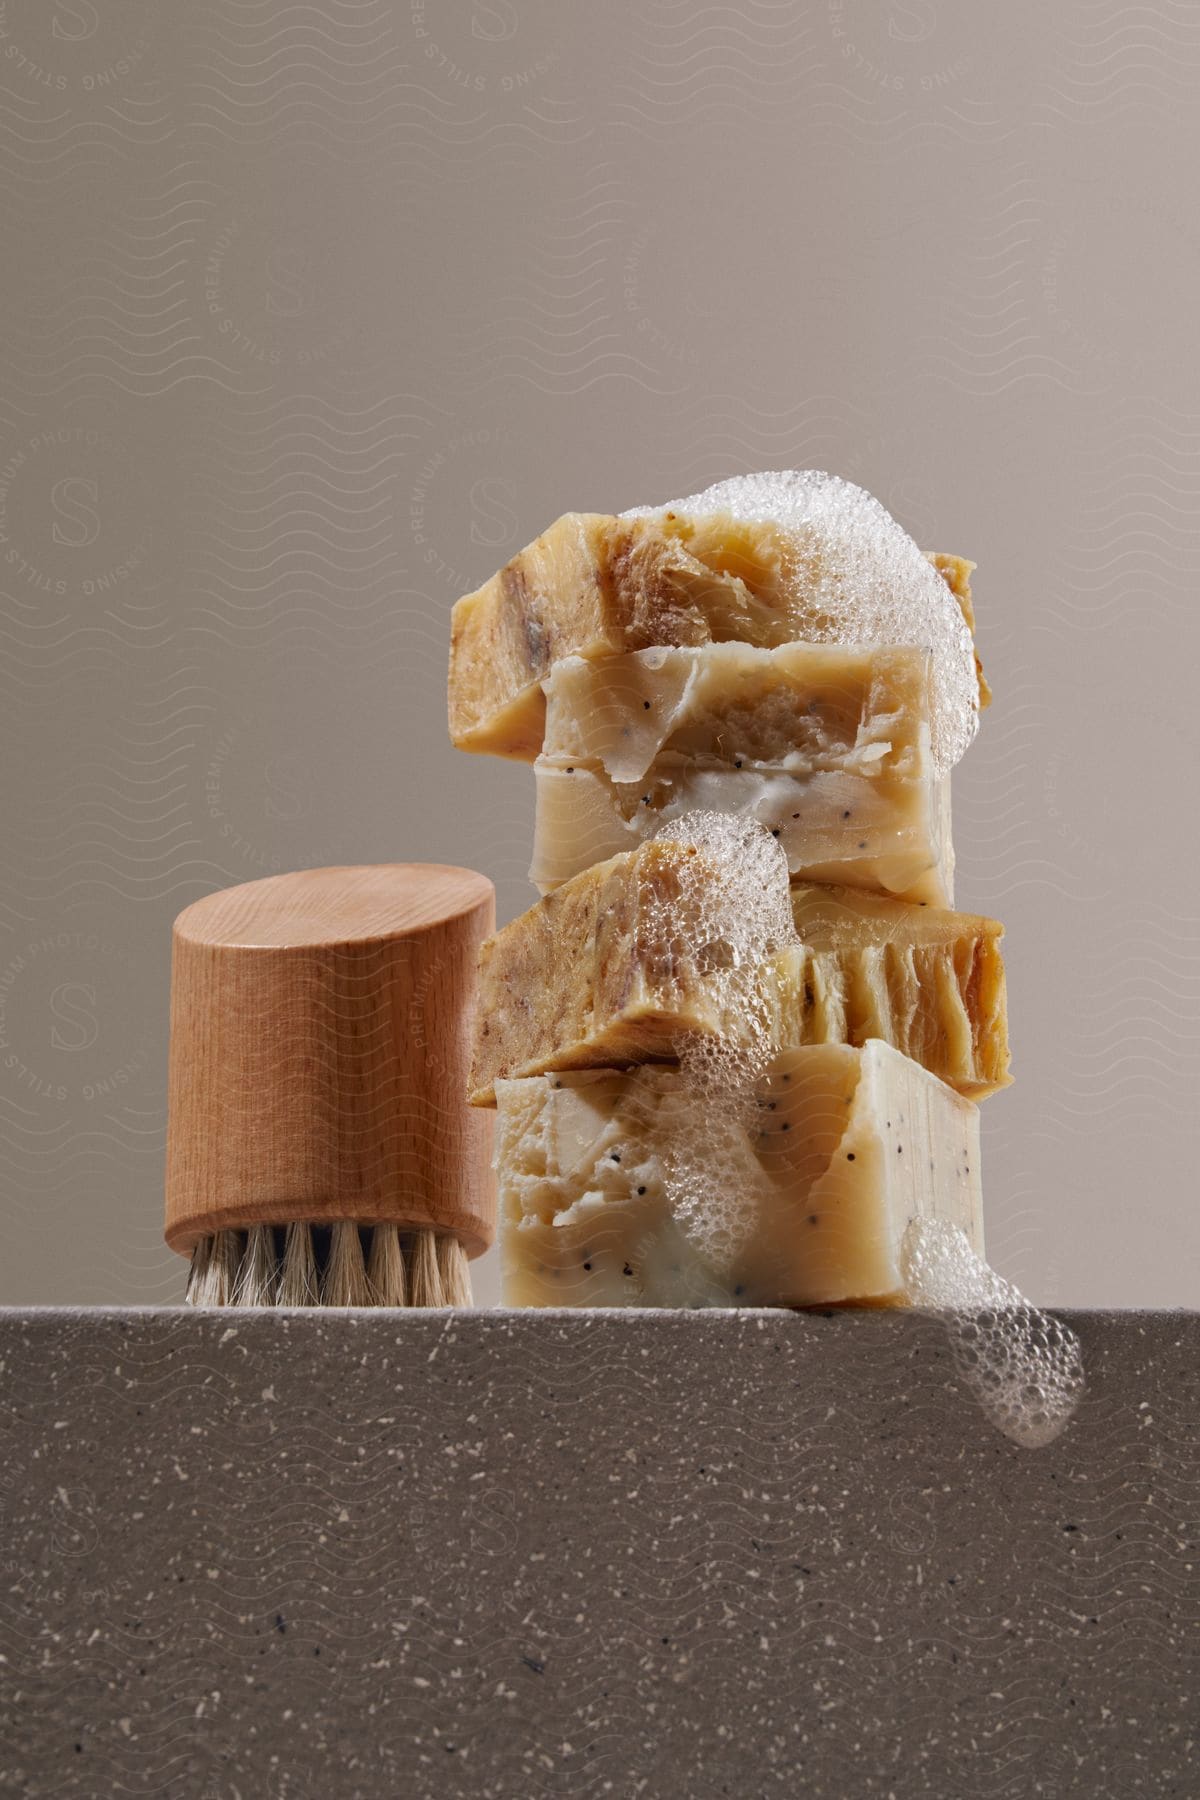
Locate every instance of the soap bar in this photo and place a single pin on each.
(800, 706)
(593, 583)
(613, 968)
(841, 1150)
(827, 745)
(878, 834)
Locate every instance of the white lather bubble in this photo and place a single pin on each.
(1023, 1366)
(733, 925)
(870, 583)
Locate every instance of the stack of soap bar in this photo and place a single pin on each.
(845, 1148)
(826, 745)
(778, 650)
(613, 968)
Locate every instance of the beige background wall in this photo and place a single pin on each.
(313, 313)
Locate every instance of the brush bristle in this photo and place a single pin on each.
(385, 1268)
(455, 1271)
(258, 1277)
(299, 1283)
(196, 1292)
(334, 1265)
(344, 1282)
(424, 1275)
(214, 1271)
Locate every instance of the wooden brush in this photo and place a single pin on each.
(320, 1149)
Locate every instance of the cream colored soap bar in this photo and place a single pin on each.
(826, 745)
(613, 968)
(593, 584)
(843, 1149)
(799, 706)
(889, 836)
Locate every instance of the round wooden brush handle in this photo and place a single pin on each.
(319, 1054)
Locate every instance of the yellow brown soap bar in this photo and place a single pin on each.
(595, 583)
(827, 745)
(618, 963)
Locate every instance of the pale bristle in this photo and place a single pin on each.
(214, 1271)
(345, 1279)
(197, 1281)
(258, 1277)
(298, 1281)
(455, 1271)
(326, 1266)
(425, 1278)
(385, 1268)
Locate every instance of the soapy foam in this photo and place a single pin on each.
(1023, 1366)
(873, 585)
(736, 924)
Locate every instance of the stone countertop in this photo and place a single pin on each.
(325, 1555)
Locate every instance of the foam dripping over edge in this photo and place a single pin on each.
(1023, 1366)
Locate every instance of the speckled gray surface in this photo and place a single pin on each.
(516, 1554)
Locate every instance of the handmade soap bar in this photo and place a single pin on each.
(617, 965)
(593, 583)
(800, 706)
(892, 836)
(827, 745)
(840, 1151)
